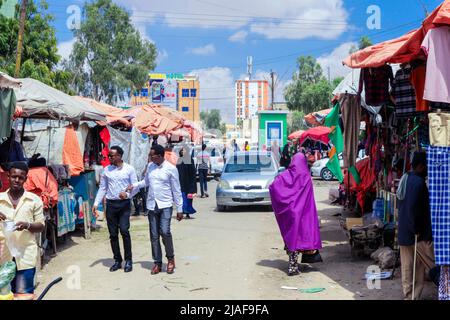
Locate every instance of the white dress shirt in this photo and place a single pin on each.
(115, 180)
(163, 185)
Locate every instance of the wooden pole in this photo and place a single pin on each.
(23, 13)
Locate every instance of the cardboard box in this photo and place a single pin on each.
(352, 222)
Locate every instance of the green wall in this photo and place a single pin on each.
(268, 117)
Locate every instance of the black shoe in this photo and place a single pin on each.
(188, 216)
(312, 258)
(116, 266)
(128, 266)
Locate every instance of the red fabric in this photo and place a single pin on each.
(106, 138)
(4, 181)
(316, 134)
(403, 49)
(296, 134)
(36, 184)
(418, 81)
(368, 180)
(72, 153)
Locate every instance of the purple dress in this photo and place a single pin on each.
(295, 208)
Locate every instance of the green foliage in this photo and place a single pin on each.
(211, 120)
(109, 55)
(309, 90)
(296, 121)
(40, 53)
(336, 82)
(364, 42)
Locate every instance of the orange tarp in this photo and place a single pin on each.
(313, 118)
(112, 114)
(72, 153)
(152, 119)
(403, 49)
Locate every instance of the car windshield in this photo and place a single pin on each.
(250, 163)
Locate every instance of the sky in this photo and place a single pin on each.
(213, 38)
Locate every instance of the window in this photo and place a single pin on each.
(185, 109)
(193, 93)
(185, 93)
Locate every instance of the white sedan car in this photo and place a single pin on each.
(319, 168)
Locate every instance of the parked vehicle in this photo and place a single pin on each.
(245, 180)
(319, 168)
(216, 159)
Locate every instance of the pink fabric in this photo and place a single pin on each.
(437, 47)
(295, 208)
(316, 134)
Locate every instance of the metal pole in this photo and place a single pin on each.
(23, 13)
(272, 87)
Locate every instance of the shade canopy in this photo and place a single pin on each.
(315, 119)
(8, 82)
(296, 135)
(113, 114)
(403, 49)
(39, 100)
(316, 134)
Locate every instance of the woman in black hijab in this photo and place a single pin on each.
(188, 180)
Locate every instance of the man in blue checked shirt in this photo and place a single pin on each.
(414, 219)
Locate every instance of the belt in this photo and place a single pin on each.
(117, 200)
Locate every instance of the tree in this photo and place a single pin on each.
(336, 82)
(364, 42)
(296, 122)
(309, 90)
(211, 120)
(40, 53)
(109, 54)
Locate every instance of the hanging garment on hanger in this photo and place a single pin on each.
(376, 83)
(404, 94)
(436, 46)
(351, 117)
(439, 129)
(438, 160)
(418, 82)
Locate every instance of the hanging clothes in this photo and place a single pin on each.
(444, 283)
(71, 154)
(436, 46)
(376, 82)
(42, 183)
(66, 211)
(106, 139)
(434, 106)
(404, 94)
(418, 82)
(7, 109)
(351, 117)
(438, 159)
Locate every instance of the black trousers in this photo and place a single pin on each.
(118, 219)
(203, 176)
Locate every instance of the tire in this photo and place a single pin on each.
(326, 174)
(221, 208)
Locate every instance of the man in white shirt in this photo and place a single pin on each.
(164, 190)
(113, 183)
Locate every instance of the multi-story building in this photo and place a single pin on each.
(251, 96)
(177, 91)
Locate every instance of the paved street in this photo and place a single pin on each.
(230, 255)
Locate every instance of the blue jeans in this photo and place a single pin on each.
(203, 176)
(23, 283)
(159, 220)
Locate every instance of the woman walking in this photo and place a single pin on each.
(188, 182)
(295, 210)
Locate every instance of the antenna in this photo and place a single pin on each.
(249, 67)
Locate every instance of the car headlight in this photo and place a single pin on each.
(223, 184)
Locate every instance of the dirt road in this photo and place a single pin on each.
(230, 255)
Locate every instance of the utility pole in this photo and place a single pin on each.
(272, 87)
(23, 14)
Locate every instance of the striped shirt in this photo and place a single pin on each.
(203, 160)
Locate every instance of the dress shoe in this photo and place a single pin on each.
(156, 269)
(128, 266)
(207, 195)
(116, 266)
(170, 266)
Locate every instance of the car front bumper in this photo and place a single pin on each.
(235, 198)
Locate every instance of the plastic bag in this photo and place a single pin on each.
(7, 274)
(16, 250)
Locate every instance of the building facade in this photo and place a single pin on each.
(251, 96)
(176, 91)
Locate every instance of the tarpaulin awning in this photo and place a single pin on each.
(403, 49)
(9, 82)
(153, 120)
(296, 134)
(316, 118)
(39, 100)
(112, 114)
(317, 134)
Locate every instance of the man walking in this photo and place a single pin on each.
(414, 224)
(164, 190)
(113, 183)
(25, 211)
(203, 165)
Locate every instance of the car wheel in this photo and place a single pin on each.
(326, 174)
(221, 208)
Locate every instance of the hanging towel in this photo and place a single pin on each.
(72, 155)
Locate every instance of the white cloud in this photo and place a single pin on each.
(65, 48)
(163, 55)
(217, 91)
(140, 22)
(239, 36)
(206, 50)
(293, 19)
(334, 59)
